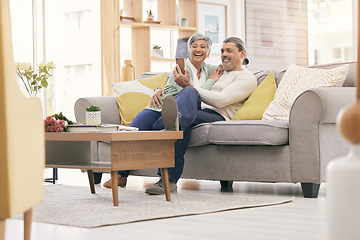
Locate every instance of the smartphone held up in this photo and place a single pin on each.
(181, 62)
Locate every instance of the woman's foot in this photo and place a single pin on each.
(169, 114)
(121, 182)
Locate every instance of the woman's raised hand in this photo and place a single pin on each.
(183, 80)
(156, 100)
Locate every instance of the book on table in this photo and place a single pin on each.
(99, 128)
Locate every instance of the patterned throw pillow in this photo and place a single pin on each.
(297, 80)
(258, 101)
(134, 96)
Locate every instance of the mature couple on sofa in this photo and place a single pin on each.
(205, 93)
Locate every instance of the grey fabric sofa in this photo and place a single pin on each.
(291, 151)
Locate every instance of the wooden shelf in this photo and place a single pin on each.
(159, 26)
(163, 59)
(85, 166)
(167, 15)
(140, 34)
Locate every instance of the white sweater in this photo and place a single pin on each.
(228, 94)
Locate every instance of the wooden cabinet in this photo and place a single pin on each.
(140, 33)
(167, 15)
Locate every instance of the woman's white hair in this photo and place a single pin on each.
(199, 36)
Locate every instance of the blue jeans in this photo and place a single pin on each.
(190, 114)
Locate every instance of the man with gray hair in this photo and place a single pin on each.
(217, 100)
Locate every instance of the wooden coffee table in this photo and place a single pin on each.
(129, 151)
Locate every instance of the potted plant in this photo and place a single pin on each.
(157, 51)
(184, 22)
(93, 115)
(34, 80)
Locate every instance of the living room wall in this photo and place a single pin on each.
(234, 20)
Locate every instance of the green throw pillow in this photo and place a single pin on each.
(258, 101)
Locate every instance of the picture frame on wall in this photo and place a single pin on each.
(212, 21)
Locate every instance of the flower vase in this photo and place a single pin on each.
(93, 117)
(343, 196)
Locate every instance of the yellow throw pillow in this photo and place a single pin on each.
(298, 79)
(258, 101)
(134, 96)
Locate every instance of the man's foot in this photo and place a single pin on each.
(169, 114)
(121, 182)
(158, 189)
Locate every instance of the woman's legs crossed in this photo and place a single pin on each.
(145, 119)
(188, 102)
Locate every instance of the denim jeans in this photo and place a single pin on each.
(190, 114)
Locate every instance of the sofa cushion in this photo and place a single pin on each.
(298, 79)
(200, 135)
(351, 76)
(249, 132)
(254, 107)
(261, 75)
(134, 96)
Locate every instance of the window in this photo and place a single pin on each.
(276, 33)
(331, 31)
(316, 56)
(67, 33)
(22, 33)
(336, 54)
(73, 44)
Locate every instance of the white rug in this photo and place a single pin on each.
(76, 206)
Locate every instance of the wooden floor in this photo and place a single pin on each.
(302, 219)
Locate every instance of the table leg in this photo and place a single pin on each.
(91, 181)
(28, 216)
(165, 178)
(114, 187)
(2, 228)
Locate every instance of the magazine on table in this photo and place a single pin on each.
(99, 128)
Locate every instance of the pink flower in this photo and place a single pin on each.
(54, 125)
(52, 128)
(50, 120)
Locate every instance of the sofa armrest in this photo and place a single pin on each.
(313, 116)
(109, 109)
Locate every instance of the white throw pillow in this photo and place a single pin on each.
(298, 79)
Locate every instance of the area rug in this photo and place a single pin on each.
(76, 206)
